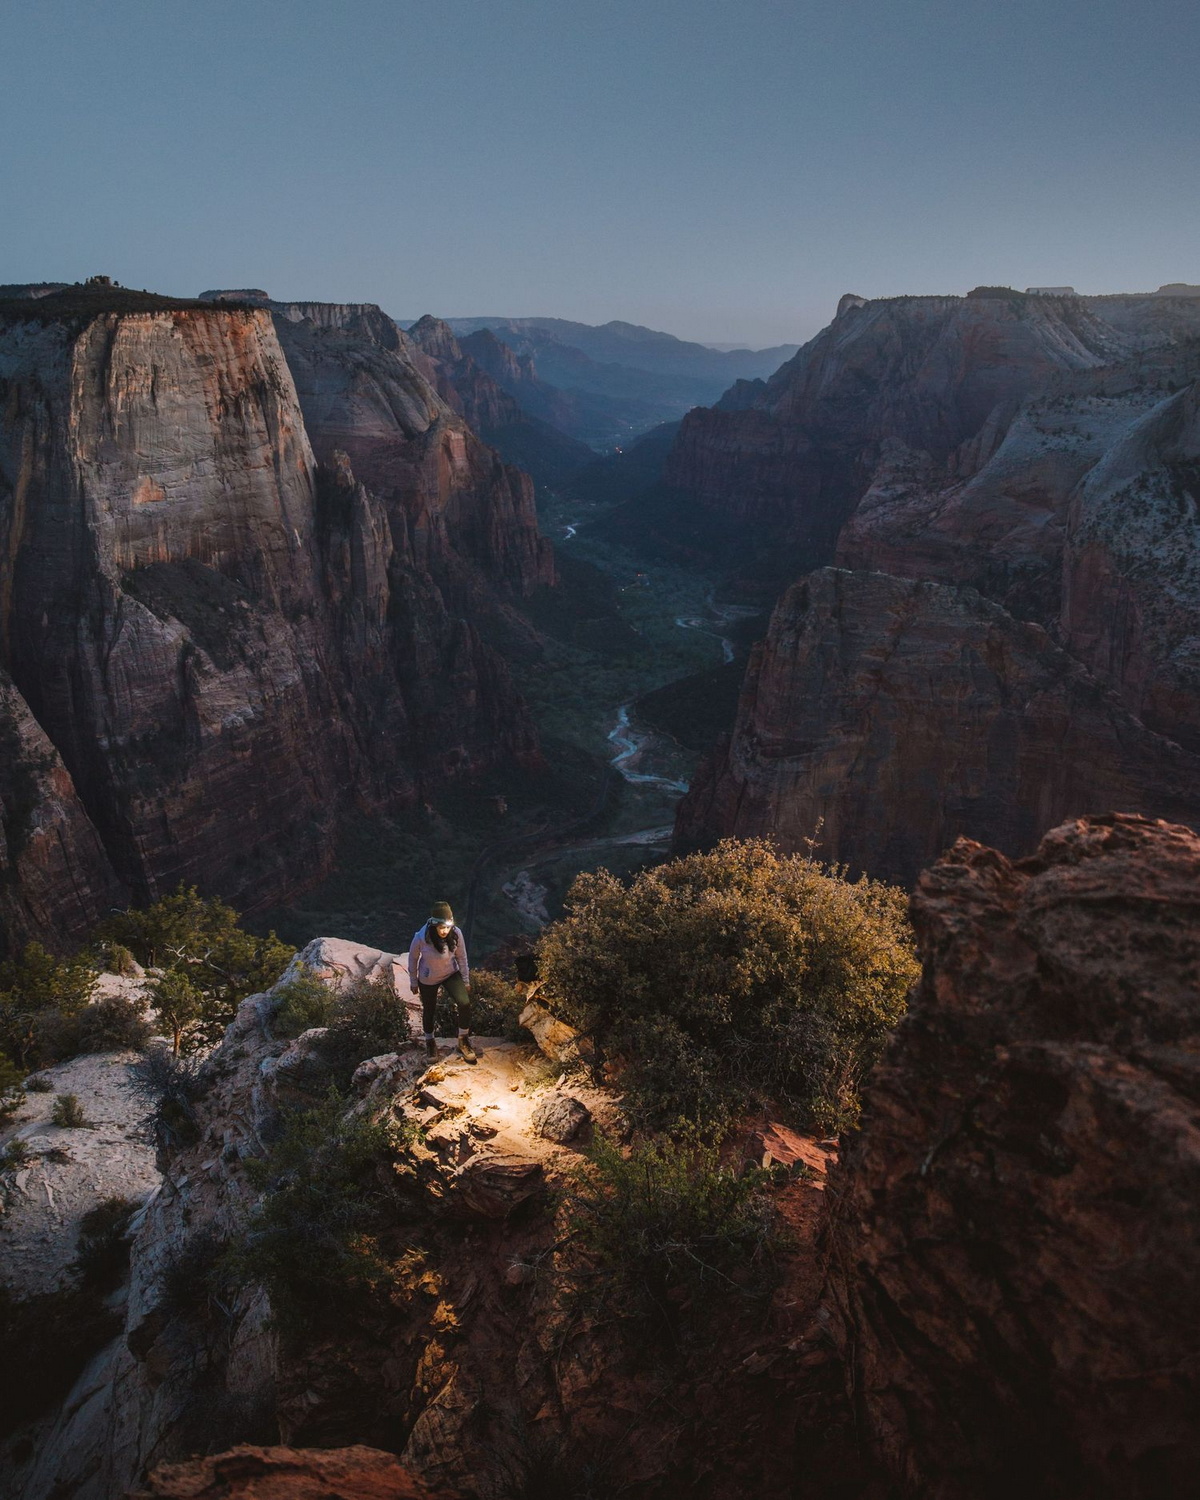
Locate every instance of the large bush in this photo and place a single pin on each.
(724, 979)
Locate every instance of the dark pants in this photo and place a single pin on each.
(456, 990)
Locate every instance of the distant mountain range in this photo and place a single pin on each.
(630, 378)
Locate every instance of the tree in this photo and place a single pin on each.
(40, 998)
(208, 963)
(720, 981)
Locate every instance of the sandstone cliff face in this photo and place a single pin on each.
(886, 716)
(1015, 1227)
(452, 504)
(55, 877)
(221, 640)
(792, 459)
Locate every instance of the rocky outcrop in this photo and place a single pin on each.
(452, 504)
(478, 1369)
(249, 1473)
(222, 640)
(1015, 1227)
(883, 717)
(790, 461)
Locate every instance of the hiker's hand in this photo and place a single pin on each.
(414, 990)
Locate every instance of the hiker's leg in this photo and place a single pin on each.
(429, 994)
(458, 992)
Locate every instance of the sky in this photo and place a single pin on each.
(723, 171)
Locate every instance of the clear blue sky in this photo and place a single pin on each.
(720, 170)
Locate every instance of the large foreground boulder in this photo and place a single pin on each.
(1015, 1231)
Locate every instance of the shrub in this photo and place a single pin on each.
(111, 1024)
(304, 1002)
(68, 1112)
(15, 1153)
(194, 1282)
(367, 1020)
(313, 1240)
(38, 1083)
(102, 1252)
(660, 1230)
(495, 1006)
(171, 1084)
(45, 1342)
(40, 997)
(116, 958)
(733, 977)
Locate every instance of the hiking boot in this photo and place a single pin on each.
(466, 1051)
(430, 1046)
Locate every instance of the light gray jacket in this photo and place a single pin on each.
(427, 966)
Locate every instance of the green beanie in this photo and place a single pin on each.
(440, 912)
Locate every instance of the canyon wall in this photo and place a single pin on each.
(224, 634)
(900, 717)
(790, 457)
(1014, 1228)
(883, 717)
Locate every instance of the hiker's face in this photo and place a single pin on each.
(444, 926)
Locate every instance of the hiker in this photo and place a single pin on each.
(437, 960)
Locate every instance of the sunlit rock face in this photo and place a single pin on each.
(223, 640)
(1015, 1227)
(883, 717)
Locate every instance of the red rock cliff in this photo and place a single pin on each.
(886, 716)
(1016, 1226)
(221, 641)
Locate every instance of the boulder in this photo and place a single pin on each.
(1016, 1227)
(560, 1118)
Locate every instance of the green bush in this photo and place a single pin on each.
(12, 1095)
(661, 1230)
(495, 1006)
(302, 1003)
(69, 1113)
(367, 1020)
(41, 1000)
(209, 964)
(313, 1240)
(45, 1342)
(727, 979)
(111, 1024)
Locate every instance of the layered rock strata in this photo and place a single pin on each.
(788, 459)
(222, 639)
(883, 717)
(1015, 1228)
